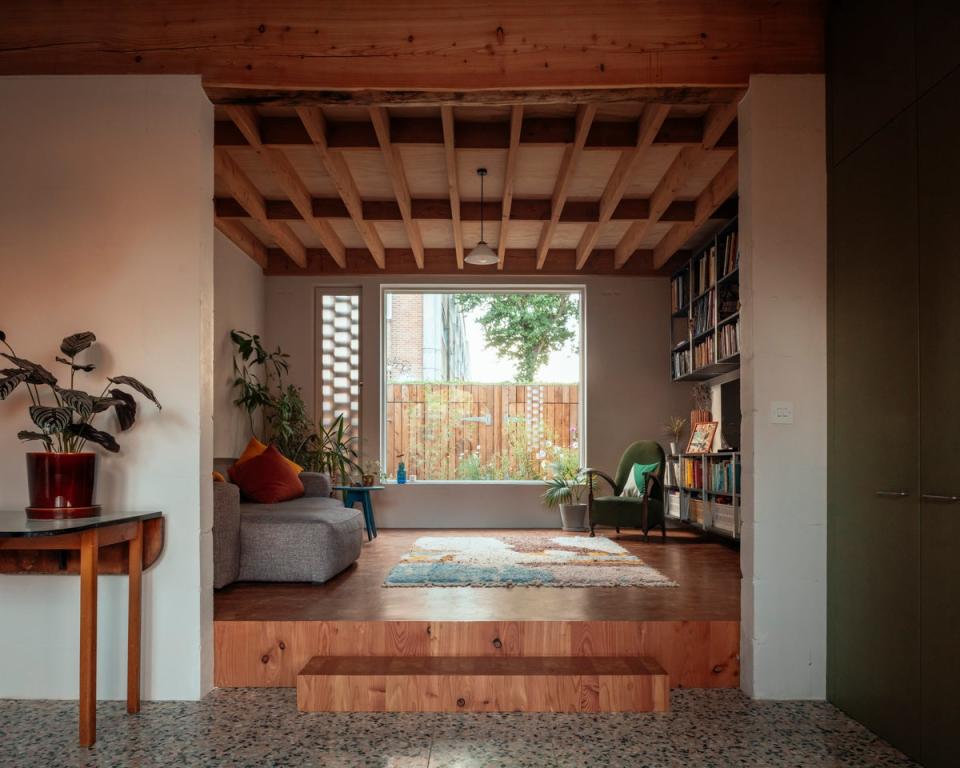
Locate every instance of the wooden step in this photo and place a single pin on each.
(482, 684)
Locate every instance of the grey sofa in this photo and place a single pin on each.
(312, 538)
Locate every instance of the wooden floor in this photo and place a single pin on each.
(264, 634)
(708, 574)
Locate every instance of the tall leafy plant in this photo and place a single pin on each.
(64, 416)
(259, 382)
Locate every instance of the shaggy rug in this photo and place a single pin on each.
(522, 561)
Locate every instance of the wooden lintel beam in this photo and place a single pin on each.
(568, 166)
(720, 188)
(453, 185)
(253, 203)
(612, 135)
(246, 120)
(243, 238)
(311, 119)
(443, 261)
(648, 127)
(398, 178)
(516, 130)
(521, 209)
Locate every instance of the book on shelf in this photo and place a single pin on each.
(681, 363)
(691, 472)
(703, 354)
(703, 313)
(679, 291)
(729, 254)
(704, 270)
(728, 339)
(724, 476)
(695, 511)
(673, 504)
(724, 517)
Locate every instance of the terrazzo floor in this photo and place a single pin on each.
(261, 727)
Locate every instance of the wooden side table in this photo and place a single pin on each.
(76, 546)
(354, 493)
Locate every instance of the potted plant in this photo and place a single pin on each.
(674, 428)
(62, 477)
(702, 401)
(565, 490)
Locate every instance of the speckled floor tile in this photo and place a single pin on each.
(240, 728)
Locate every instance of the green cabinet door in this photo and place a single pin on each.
(939, 198)
(873, 660)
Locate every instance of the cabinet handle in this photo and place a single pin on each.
(893, 494)
(937, 497)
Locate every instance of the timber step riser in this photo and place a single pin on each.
(485, 684)
(695, 654)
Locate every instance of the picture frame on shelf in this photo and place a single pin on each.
(701, 437)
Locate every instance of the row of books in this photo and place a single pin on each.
(728, 339)
(691, 473)
(673, 504)
(724, 517)
(725, 476)
(703, 313)
(682, 364)
(729, 254)
(679, 291)
(703, 353)
(704, 271)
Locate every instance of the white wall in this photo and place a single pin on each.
(629, 393)
(106, 225)
(783, 291)
(238, 304)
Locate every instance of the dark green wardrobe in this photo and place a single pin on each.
(893, 79)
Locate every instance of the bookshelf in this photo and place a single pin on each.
(705, 310)
(703, 490)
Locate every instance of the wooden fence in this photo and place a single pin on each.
(450, 431)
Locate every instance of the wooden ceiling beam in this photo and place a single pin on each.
(647, 129)
(246, 120)
(253, 203)
(311, 119)
(509, 172)
(716, 122)
(612, 135)
(521, 210)
(720, 188)
(568, 166)
(394, 165)
(453, 184)
(243, 238)
(443, 261)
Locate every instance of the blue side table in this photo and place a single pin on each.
(354, 493)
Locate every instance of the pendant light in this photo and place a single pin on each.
(482, 254)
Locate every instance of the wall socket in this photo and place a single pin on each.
(781, 412)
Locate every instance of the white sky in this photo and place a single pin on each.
(486, 366)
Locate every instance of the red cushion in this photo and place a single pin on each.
(267, 478)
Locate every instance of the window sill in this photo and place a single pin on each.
(391, 483)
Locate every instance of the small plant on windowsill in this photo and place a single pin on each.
(565, 490)
(62, 477)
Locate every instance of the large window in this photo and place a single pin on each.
(482, 385)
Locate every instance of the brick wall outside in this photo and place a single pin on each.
(405, 350)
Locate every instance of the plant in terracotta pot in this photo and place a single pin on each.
(702, 401)
(62, 477)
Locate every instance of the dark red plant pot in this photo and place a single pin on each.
(61, 485)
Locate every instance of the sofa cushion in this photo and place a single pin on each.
(255, 448)
(267, 478)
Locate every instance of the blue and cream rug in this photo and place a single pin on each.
(522, 561)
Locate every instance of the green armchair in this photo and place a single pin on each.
(619, 511)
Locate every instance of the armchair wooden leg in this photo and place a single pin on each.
(592, 534)
(663, 528)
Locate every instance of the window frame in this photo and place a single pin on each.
(391, 288)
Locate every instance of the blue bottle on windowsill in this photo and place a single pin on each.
(402, 474)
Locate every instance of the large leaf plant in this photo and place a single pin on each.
(64, 420)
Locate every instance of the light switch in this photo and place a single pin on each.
(781, 412)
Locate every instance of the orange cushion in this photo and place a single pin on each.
(267, 478)
(255, 448)
(218, 478)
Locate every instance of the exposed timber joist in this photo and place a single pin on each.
(243, 238)
(509, 173)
